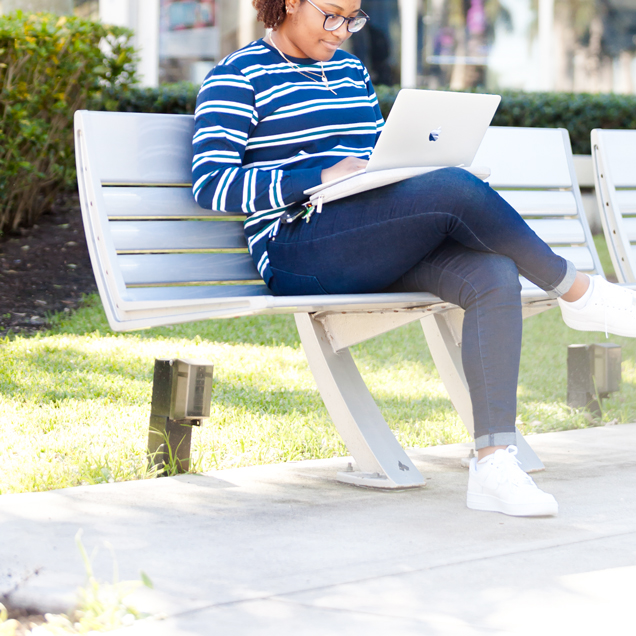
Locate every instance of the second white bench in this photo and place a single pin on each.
(614, 157)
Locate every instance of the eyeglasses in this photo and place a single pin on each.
(334, 22)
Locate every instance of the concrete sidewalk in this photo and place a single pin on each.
(287, 550)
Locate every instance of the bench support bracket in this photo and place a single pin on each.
(383, 462)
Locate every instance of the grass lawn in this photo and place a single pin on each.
(74, 401)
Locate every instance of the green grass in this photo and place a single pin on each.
(74, 401)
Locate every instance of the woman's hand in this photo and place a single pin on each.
(343, 168)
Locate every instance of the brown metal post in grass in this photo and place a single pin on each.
(181, 395)
(594, 371)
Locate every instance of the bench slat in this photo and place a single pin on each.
(152, 269)
(541, 202)
(620, 151)
(626, 199)
(138, 149)
(154, 202)
(192, 292)
(176, 236)
(163, 236)
(558, 231)
(580, 256)
(151, 203)
(166, 269)
(630, 228)
(542, 164)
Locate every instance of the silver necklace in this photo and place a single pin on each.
(307, 73)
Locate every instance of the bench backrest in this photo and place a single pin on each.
(139, 167)
(533, 169)
(156, 253)
(614, 154)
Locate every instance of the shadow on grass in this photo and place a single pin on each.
(405, 343)
(272, 330)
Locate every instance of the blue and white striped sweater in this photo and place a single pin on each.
(264, 132)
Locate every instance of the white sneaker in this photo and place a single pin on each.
(498, 484)
(610, 308)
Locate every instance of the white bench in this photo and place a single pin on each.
(614, 156)
(159, 259)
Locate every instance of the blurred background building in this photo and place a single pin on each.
(555, 45)
(179, 40)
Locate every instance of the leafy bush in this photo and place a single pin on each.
(169, 99)
(49, 67)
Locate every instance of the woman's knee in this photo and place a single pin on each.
(456, 190)
(494, 277)
(453, 180)
(499, 273)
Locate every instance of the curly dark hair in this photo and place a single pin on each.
(270, 12)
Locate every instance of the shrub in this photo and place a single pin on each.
(169, 99)
(49, 67)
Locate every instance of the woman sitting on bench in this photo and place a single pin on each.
(291, 111)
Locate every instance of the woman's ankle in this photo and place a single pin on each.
(579, 287)
(488, 450)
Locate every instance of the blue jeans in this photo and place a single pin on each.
(445, 232)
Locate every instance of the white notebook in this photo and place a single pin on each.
(425, 131)
(361, 182)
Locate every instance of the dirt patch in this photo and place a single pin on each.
(26, 620)
(44, 269)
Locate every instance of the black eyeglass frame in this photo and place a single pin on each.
(349, 21)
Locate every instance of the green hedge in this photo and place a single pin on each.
(49, 67)
(169, 99)
(578, 112)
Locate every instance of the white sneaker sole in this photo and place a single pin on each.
(590, 325)
(489, 503)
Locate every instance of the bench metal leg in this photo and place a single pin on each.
(443, 335)
(383, 462)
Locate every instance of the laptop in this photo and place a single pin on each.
(429, 129)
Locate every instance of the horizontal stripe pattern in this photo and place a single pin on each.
(264, 132)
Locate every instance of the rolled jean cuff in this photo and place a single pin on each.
(496, 439)
(566, 284)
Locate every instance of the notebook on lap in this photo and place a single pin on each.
(426, 130)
